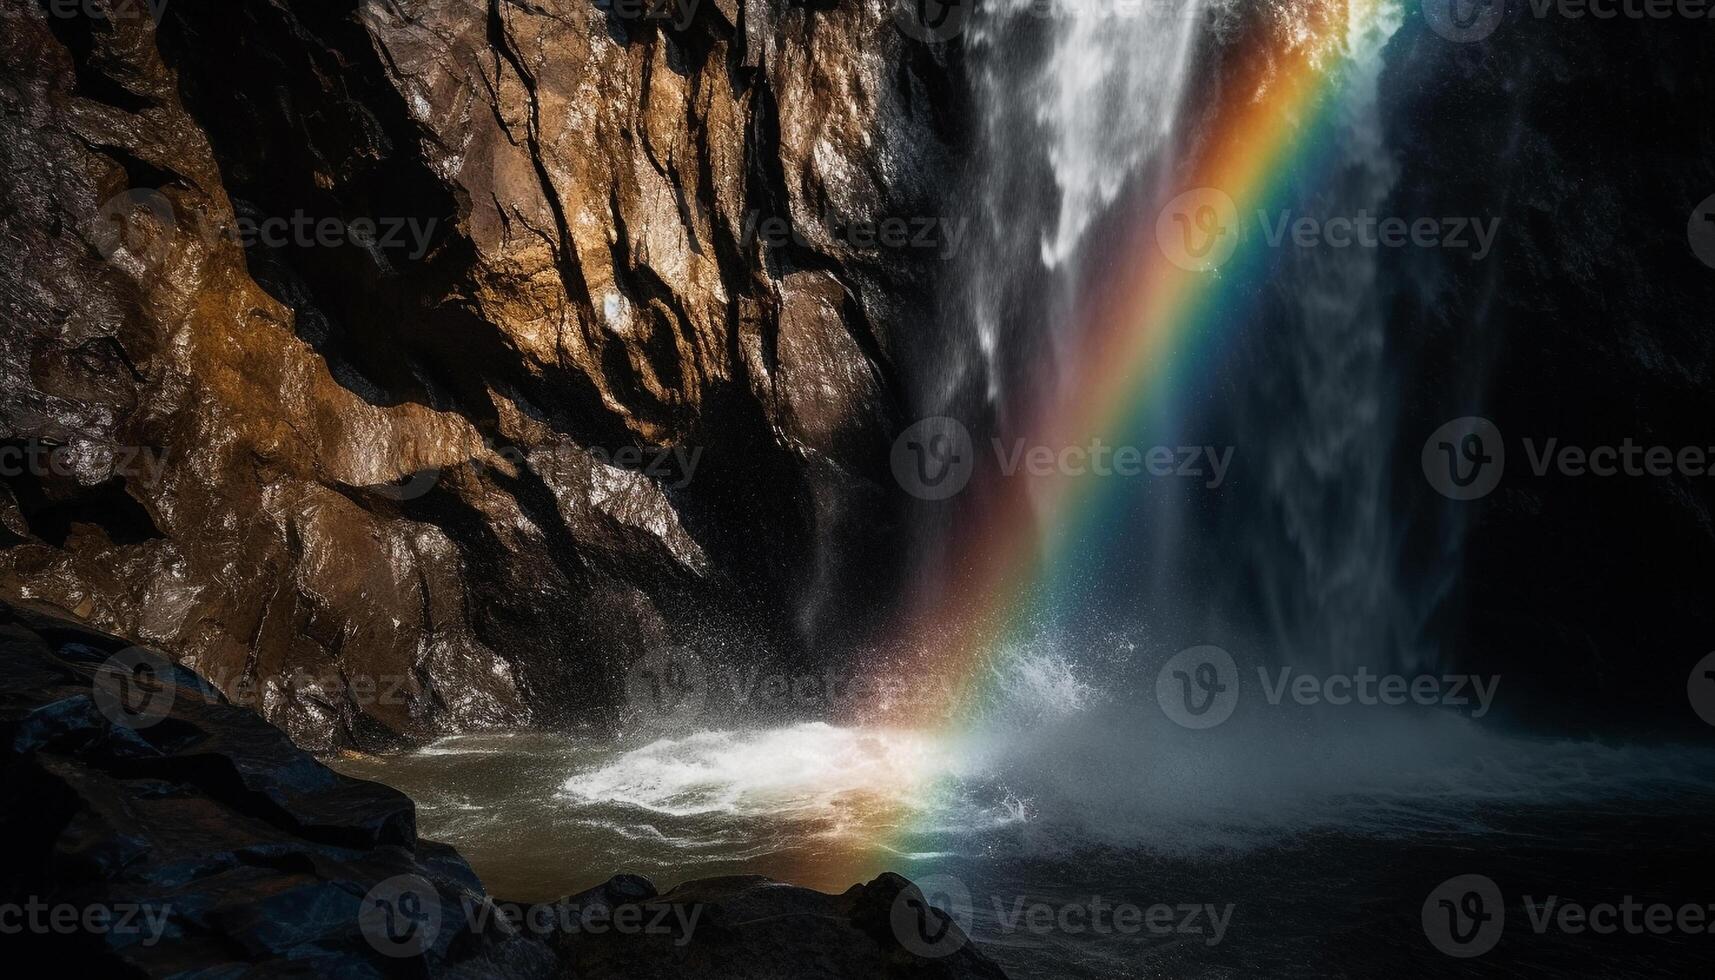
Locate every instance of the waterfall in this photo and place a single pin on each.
(1079, 98)
(1088, 108)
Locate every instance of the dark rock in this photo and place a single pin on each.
(244, 855)
(746, 927)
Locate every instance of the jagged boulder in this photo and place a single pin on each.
(181, 834)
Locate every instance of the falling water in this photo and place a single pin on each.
(1079, 99)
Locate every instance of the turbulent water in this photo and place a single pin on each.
(1289, 816)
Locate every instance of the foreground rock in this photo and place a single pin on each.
(150, 826)
(747, 926)
(234, 848)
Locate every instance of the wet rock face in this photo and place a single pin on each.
(449, 347)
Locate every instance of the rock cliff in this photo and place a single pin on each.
(466, 349)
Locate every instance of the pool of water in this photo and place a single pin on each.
(1306, 849)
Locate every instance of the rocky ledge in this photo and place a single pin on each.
(154, 828)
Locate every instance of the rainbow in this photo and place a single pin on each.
(1143, 327)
